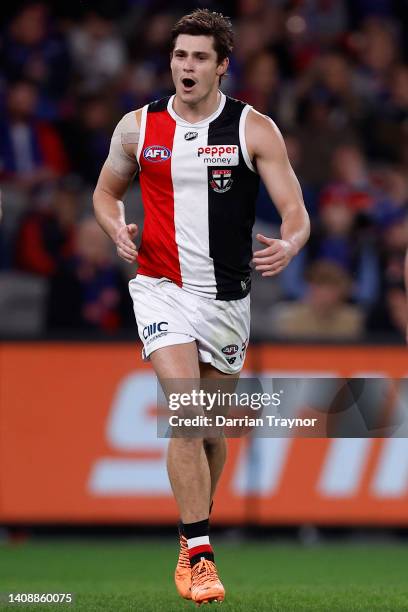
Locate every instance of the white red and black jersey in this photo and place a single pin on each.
(199, 190)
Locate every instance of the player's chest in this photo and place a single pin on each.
(188, 153)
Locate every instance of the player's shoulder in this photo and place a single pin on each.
(256, 119)
(229, 100)
(261, 125)
(158, 106)
(129, 122)
(233, 108)
(261, 121)
(125, 137)
(263, 137)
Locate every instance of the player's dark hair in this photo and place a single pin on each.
(203, 22)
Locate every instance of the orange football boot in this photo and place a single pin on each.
(182, 575)
(205, 584)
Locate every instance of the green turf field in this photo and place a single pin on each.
(136, 575)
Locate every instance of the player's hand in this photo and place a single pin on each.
(275, 257)
(125, 242)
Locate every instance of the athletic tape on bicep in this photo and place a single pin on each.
(126, 132)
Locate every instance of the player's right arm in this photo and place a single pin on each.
(116, 175)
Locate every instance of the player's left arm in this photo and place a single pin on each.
(268, 152)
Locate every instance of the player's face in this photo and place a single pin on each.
(195, 68)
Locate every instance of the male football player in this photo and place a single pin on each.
(199, 155)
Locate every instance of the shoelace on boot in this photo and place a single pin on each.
(184, 559)
(202, 571)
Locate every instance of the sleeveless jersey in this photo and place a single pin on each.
(198, 189)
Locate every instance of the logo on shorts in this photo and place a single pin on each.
(230, 349)
(154, 328)
(156, 153)
(243, 349)
(221, 180)
(231, 360)
(190, 135)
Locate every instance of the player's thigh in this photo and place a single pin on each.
(178, 372)
(214, 381)
(209, 371)
(176, 361)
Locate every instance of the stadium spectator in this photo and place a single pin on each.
(46, 235)
(31, 151)
(324, 312)
(330, 78)
(384, 130)
(316, 124)
(3, 258)
(392, 198)
(388, 315)
(350, 172)
(33, 49)
(251, 38)
(87, 136)
(388, 319)
(151, 48)
(337, 236)
(262, 87)
(97, 51)
(89, 291)
(393, 244)
(134, 86)
(325, 22)
(377, 52)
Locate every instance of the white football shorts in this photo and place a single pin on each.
(167, 314)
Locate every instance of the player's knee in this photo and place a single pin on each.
(187, 442)
(213, 441)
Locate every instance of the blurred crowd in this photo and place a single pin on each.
(332, 74)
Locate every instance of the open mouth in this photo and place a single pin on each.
(188, 83)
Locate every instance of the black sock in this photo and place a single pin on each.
(198, 541)
(180, 525)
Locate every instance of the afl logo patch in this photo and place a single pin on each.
(190, 135)
(156, 153)
(221, 180)
(230, 349)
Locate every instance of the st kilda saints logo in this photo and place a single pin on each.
(221, 180)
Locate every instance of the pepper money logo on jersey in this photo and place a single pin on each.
(156, 153)
(219, 155)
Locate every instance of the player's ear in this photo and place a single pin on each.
(222, 67)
